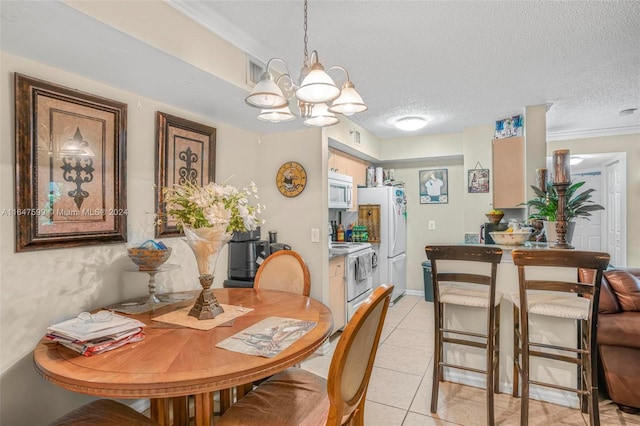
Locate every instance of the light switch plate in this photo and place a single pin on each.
(315, 235)
(432, 224)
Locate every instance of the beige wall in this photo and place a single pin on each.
(157, 23)
(47, 286)
(629, 144)
(477, 149)
(293, 218)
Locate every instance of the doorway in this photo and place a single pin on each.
(606, 230)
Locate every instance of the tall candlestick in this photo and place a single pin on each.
(561, 169)
(541, 177)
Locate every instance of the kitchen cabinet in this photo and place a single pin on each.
(337, 162)
(337, 292)
(357, 169)
(508, 173)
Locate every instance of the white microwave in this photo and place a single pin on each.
(340, 191)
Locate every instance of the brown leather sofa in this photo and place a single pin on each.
(619, 337)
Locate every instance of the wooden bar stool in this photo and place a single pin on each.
(470, 289)
(561, 299)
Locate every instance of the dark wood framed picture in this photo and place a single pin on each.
(70, 166)
(434, 186)
(478, 180)
(186, 152)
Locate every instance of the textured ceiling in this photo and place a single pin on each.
(460, 64)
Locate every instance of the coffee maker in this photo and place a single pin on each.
(246, 253)
(486, 228)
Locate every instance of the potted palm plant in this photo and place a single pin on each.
(546, 205)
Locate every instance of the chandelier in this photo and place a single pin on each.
(312, 91)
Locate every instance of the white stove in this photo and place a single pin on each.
(341, 248)
(360, 262)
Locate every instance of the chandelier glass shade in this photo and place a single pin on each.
(321, 116)
(278, 115)
(314, 89)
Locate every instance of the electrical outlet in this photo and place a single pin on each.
(315, 235)
(432, 224)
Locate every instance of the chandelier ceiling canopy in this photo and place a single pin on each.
(312, 91)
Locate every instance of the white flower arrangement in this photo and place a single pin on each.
(223, 209)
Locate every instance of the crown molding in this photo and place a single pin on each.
(593, 133)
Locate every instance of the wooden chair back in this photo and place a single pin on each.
(353, 359)
(284, 270)
(597, 261)
(485, 254)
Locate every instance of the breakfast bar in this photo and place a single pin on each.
(474, 320)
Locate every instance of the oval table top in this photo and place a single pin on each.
(176, 361)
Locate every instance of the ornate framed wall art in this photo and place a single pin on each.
(434, 186)
(70, 164)
(186, 152)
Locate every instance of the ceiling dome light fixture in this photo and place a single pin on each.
(575, 160)
(313, 90)
(410, 124)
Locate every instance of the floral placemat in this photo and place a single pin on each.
(269, 337)
(181, 317)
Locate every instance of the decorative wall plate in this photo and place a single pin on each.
(291, 179)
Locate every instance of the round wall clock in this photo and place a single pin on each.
(291, 179)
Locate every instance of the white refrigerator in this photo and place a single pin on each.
(391, 252)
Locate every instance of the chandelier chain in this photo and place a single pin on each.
(306, 53)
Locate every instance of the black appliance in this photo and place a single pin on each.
(485, 228)
(246, 253)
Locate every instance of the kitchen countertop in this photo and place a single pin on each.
(343, 248)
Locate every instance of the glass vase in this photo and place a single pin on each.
(206, 244)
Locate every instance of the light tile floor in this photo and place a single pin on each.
(400, 387)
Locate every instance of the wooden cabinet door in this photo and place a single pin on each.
(337, 294)
(357, 169)
(508, 173)
(337, 162)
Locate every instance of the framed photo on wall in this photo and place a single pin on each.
(70, 162)
(186, 152)
(478, 180)
(434, 186)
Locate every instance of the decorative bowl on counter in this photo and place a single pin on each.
(516, 238)
(149, 259)
(494, 218)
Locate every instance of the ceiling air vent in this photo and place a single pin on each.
(255, 68)
(355, 137)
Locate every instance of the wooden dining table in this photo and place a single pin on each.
(173, 361)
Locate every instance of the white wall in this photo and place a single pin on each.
(47, 286)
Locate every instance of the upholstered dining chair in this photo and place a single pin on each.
(104, 412)
(557, 297)
(284, 270)
(459, 285)
(297, 397)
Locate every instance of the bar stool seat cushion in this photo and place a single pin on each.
(555, 305)
(292, 397)
(457, 295)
